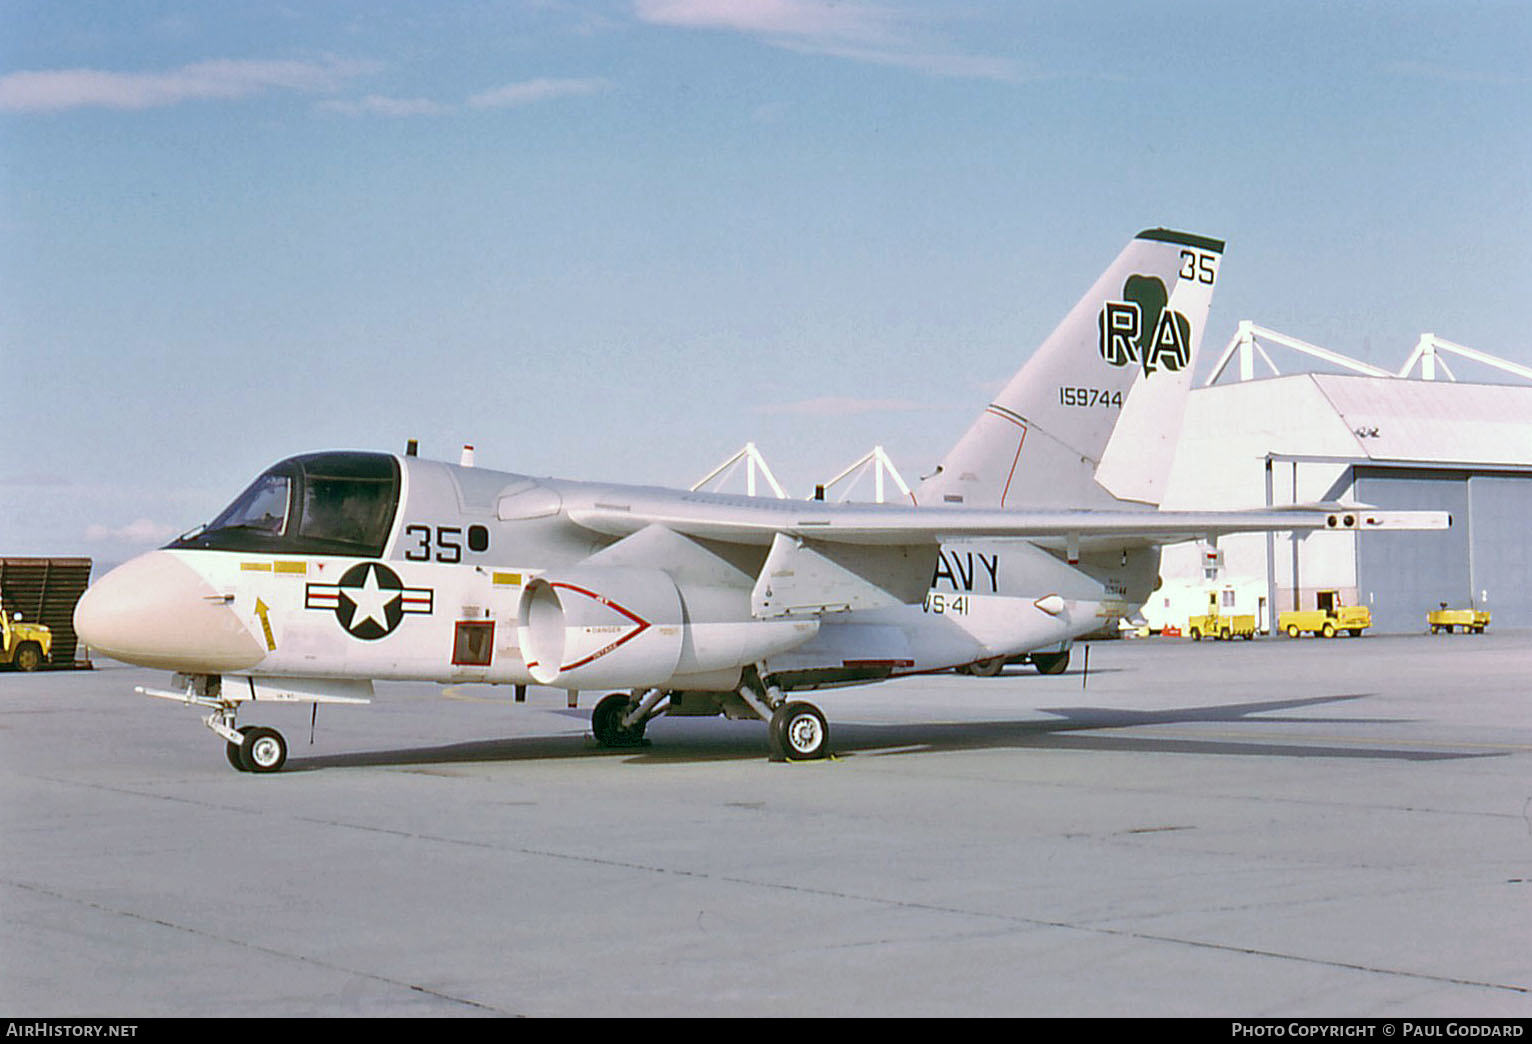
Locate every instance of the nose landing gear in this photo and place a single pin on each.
(251, 748)
(260, 749)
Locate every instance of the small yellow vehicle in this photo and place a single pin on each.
(23, 645)
(1215, 625)
(1328, 620)
(1470, 620)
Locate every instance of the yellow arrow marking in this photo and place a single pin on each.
(261, 609)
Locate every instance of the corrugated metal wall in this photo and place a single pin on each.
(45, 590)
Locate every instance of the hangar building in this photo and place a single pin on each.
(1368, 437)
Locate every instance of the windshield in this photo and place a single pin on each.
(262, 507)
(323, 503)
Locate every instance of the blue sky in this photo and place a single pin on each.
(618, 239)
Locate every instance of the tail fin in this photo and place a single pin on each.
(1093, 417)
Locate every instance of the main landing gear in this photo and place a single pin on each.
(795, 729)
(616, 723)
(798, 732)
(1045, 662)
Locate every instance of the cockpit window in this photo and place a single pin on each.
(262, 508)
(323, 503)
(348, 510)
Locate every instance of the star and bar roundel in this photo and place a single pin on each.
(370, 600)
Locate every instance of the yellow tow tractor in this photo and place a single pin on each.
(1470, 620)
(25, 646)
(1216, 625)
(1328, 620)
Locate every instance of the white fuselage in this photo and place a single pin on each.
(453, 597)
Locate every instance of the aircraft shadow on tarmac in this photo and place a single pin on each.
(1073, 728)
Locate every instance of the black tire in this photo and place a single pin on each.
(1196, 637)
(1292, 630)
(1355, 632)
(1223, 635)
(606, 722)
(1050, 663)
(29, 656)
(232, 749)
(264, 750)
(799, 731)
(987, 668)
(1328, 630)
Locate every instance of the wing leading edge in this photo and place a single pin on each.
(758, 524)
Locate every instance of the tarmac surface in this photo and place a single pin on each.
(1273, 828)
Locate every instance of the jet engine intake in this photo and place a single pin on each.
(601, 627)
(593, 627)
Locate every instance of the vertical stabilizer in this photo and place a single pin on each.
(1093, 417)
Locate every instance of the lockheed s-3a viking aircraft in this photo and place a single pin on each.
(336, 569)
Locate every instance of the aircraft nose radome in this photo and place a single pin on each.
(156, 611)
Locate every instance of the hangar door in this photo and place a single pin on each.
(1482, 561)
(1499, 565)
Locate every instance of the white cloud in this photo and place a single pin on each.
(379, 105)
(527, 92)
(63, 89)
(142, 531)
(808, 19)
(542, 89)
(859, 32)
(957, 66)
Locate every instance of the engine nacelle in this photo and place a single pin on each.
(594, 627)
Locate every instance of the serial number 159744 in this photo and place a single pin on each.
(1090, 397)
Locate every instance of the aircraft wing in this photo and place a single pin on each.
(758, 522)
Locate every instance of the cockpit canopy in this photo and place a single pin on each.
(317, 504)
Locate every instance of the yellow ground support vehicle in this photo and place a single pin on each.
(1444, 619)
(26, 646)
(1328, 620)
(1215, 625)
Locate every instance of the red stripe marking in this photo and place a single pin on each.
(643, 625)
(1007, 490)
(993, 412)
